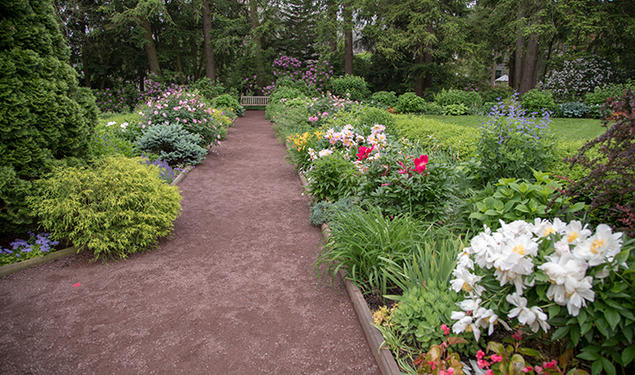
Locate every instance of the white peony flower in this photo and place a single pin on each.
(569, 286)
(575, 233)
(466, 281)
(533, 317)
(325, 152)
(603, 246)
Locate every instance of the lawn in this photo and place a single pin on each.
(570, 129)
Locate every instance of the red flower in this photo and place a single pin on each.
(496, 358)
(420, 164)
(364, 152)
(446, 329)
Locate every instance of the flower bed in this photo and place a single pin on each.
(399, 211)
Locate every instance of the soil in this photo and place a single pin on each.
(233, 291)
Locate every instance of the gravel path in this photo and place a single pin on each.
(233, 291)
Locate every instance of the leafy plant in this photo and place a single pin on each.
(351, 87)
(324, 211)
(173, 144)
(116, 208)
(454, 109)
(360, 240)
(229, 101)
(386, 98)
(574, 109)
(536, 100)
(577, 77)
(410, 103)
(36, 246)
(331, 178)
(610, 185)
(469, 99)
(514, 144)
(495, 94)
(513, 199)
(600, 95)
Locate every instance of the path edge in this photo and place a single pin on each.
(383, 357)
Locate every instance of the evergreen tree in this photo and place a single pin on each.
(44, 115)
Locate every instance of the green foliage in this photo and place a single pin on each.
(410, 103)
(605, 329)
(495, 94)
(469, 99)
(359, 241)
(324, 211)
(351, 87)
(574, 109)
(210, 90)
(110, 139)
(436, 135)
(332, 178)
(44, 115)
(511, 199)
(226, 100)
(454, 110)
(116, 208)
(514, 144)
(600, 95)
(369, 116)
(173, 144)
(386, 98)
(421, 310)
(536, 100)
(284, 92)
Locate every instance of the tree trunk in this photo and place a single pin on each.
(348, 38)
(418, 76)
(210, 67)
(518, 63)
(530, 63)
(255, 24)
(332, 15)
(151, 51)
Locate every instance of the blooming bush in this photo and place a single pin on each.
(166, 172)
(187, 110)
(577, 77)
(35, 246)
(129, 96)
(510, 273)
(513, 144)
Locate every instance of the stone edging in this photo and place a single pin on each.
(384, 358)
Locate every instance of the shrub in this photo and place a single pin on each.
(437, 135)
(514, 144)
(574, 109)
(44, 116)
(601, 94)
(469, 99)
(370, 116)
(577, 77)
(512, 199)
(231, 102)
(209, 90)
(454, 110)
(173, 144)
(610, 185)
(387, 98)
(110, 139)
(117, 207)
(410, 103)
(331, 178)
(496, 93)
(536, 100)
(351, 87)
(324, 211)
(186, 110)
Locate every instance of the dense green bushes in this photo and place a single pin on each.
(44, 116)
(116, 208)
(173, 144)
(350, 87)
(538, 101)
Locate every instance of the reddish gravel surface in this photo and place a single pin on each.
(232, 292)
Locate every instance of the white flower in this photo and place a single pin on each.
(533, 317)
(603, 246)
(466, 281)
(576, 233)
(515, 228)
(513, 261)
(569, 286)
(465, 321)
(111, 123)
(325, 152)
(486, 318)
(543, 228)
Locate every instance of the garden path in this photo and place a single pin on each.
(234, 290)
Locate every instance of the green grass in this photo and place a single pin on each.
(569, 129)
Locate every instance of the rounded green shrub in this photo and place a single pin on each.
(496, 93)
(574, 109)
(332, 178)
(536, 100)
(173, 144)
(387, 98)
(228, 101)
(118, 207)
(44, 116)
(353, 87)
(470, 99)
(410, 103)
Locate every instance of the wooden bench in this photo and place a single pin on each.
(254, 101)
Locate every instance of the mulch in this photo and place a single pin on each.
(233, 291)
